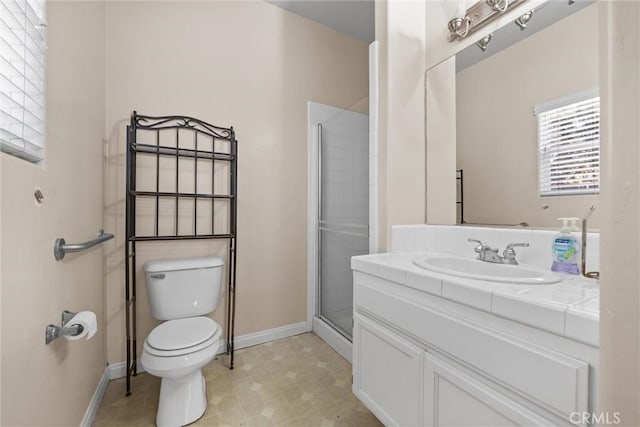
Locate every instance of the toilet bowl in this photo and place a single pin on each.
(176, 351)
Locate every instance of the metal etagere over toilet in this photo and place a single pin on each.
(185, 150)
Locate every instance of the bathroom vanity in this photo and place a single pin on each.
(431, 348)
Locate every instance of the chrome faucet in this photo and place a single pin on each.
(488, 254)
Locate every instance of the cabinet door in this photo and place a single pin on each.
(387, 374)
(454, 398)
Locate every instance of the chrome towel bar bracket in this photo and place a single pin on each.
(60, 247)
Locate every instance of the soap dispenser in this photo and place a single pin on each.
(565, 249)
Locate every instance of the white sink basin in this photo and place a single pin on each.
(481, 270)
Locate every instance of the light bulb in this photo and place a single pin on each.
(461, 9)
(483, 42)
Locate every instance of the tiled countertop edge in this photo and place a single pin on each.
(576, 319)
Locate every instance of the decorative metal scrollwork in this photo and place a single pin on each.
(181, 122)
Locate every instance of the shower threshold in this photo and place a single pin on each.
(328, 332)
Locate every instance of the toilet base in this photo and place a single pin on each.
(181, 402)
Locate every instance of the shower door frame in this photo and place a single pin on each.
(321, 326)
(325, 226)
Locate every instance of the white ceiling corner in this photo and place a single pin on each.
(355, 18)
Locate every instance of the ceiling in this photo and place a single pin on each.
(354, 18)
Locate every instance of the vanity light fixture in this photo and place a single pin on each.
(459, 25)
(456, 26)
(523, 20)
(467, 21)
(483, 42)
(498, 5)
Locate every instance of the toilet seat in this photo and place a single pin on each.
(182, 336)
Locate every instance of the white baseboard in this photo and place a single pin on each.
(94, 404)
(119, 370)
(262, 337)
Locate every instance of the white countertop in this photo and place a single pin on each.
(569, 308)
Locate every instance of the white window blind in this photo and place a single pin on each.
(22, 78)
(569, 145)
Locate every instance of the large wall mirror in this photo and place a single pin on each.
(527, 119)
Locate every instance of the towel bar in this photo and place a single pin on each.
(60, 247)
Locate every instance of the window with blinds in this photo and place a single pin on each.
(569, 145)
(22, 78)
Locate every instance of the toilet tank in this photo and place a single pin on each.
(183, 287)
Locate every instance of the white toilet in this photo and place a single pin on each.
(182, 292)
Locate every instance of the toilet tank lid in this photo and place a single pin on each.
(174, 264)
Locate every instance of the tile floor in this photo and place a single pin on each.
(296, 381)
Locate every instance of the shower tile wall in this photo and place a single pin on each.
(345, 208)
(346, 156)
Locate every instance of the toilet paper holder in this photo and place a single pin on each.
(52, 332)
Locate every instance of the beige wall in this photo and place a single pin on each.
(53, 384)
(620, 129)
(247, 64)
(401, 133)
(497, 140)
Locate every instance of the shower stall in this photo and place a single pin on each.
(339, 166)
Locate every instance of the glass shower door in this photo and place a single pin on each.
(343, 220)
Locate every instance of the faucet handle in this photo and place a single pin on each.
(481, 246)
(480, 242)
(509, 253)
(510, 246)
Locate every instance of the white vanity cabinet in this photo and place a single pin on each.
(389, 374)
(455, 398)
(422, 360)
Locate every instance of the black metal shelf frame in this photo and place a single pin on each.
(460, 199)
(175, 125)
